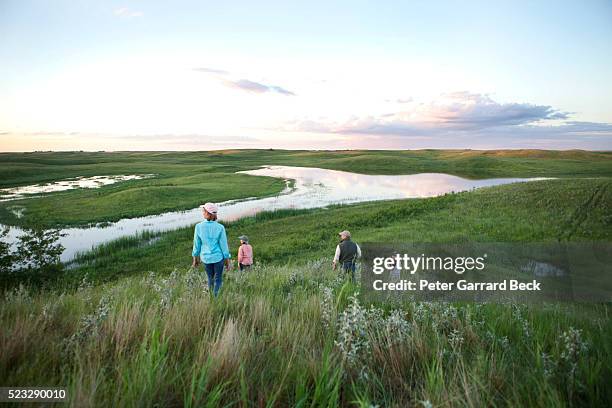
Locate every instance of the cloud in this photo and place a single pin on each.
(125, 12)
(466, 120)
(280, 90)
(256, 87)
(191, 138)
(246, 85)
(469, 110)
(211, 70)
(454, 112)
(400, 100)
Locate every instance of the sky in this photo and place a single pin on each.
(204, 75)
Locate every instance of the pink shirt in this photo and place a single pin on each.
(245, 254)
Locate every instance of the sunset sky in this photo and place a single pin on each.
(200, 75)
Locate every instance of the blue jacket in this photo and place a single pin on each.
(210, 242)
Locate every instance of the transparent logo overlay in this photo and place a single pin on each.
(488, 272)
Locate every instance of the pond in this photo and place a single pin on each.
(14, 193)
(307, 187)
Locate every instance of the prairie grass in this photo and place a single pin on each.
(297, 336)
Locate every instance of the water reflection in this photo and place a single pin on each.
(13, 193)
(312, 188)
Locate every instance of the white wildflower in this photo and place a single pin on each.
(327, 307)
(352, 338)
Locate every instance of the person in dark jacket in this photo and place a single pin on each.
(347, 253)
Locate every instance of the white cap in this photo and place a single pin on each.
(210, 207)
(345, 233)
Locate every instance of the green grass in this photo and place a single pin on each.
(142, 331)
(137, 198)
(292, 336)
(184, 180)
(550, 210)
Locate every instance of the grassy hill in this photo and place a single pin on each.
(292, 336)
(184, 179)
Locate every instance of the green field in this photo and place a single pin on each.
(537, 211)
(131, 325)
(184, 180)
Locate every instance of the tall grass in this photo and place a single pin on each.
(297, 336)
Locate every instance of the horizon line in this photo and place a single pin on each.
(306, 150)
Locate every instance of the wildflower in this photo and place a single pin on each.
(294, 279)
(19, 294)
(450, 312)
(89, 324)
(420, 313)
(150, 279)
(455, 339)
(352, 338)
(165, 300)
(338, 281)
(316, 265)
(573, 348)
(516, 312)
(397, 326)
(427, 404)
(194, 281)
(49, 310)
(504, 342)
(327, 307)
(376, 319)
(548, 364)
(174, 275)
(85, 283)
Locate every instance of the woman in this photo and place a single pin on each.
(210, 246)
(245, 253)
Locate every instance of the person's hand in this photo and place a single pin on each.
(196, 262)
(228, 264)
(334, 265)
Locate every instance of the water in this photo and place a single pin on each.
(14, 193)
(312, 188)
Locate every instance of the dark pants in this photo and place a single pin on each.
(349, 266)
(215, 276)
(243, 267)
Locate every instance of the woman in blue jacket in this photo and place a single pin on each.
(210, 247)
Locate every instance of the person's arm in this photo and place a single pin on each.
(223, 244)
(197, 247)
(225, 248)
(358, 251)
(336, 257)
(240, 254)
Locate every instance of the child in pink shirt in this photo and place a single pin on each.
(245, 253)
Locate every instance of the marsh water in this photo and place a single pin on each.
(13, 193)
(307, 187)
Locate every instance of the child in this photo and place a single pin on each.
(245, 253)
